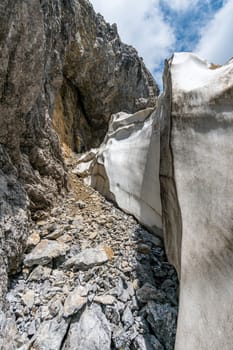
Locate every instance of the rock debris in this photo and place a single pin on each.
(93, 279)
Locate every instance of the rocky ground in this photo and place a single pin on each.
(93, 279)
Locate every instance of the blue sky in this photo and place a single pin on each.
(157, 28)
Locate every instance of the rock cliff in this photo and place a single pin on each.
(32, 45)
(106, 75)
(61, 65)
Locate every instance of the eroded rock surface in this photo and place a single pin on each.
(197, 190)
(31, 166)
(102, 76)
(58, 60)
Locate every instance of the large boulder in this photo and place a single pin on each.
(125, 168)
(197, 191)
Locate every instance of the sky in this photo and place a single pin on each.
(158, 28)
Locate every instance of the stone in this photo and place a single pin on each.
(87, 259)
(148, 342)
(122, 338)
(81, 204)
(92, 331)
(32, 328)
(127, 318)
(75, 301)
(109, 252)
(93, 235)
(41, 223)
(44, 252)
(197, 189)
(28, 298)
(58, 278)
(105, 299)
(143, 248)
(54, 235)
(155, 240)
(170, 289)
(33, 240)
(55, 306)
(50, 335)
(162, 319)
(39, 273)
(66, 294)
(149, 292)
(65, 238)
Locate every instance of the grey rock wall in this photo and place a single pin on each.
(32, 42)
(44, 44)
(107, 75)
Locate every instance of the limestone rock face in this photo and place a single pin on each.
(197, 191)
(32, 45)
(102, 76)
(45, 60)
(126, 166)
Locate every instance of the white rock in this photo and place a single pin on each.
(87, 258)
(75, 301)
(28, 298)
(33, 240)
(92, 331)
(105, 299)
(40, 273)
(50, 335)
(44, 252)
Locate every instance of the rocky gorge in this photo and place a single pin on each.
(83, 271)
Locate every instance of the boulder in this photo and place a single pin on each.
(197, 191)
(75, 301)
(87, 258)
(90, 332)
(44, 252)
(50, 335)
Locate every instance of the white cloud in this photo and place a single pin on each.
(141, 24)
(215, 44)
(180, 5)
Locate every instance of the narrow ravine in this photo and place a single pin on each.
(93, 278)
